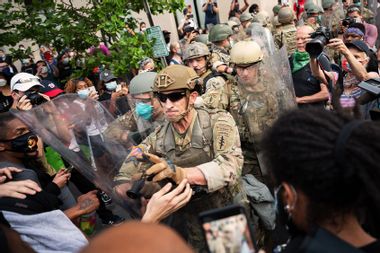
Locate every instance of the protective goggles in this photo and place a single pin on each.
(173, 97)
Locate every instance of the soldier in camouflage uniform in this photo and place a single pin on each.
(196, 144)
(286, 33)
(246, 57)
(219, 91)
(146, 113)
(220, 37)
(312, 17)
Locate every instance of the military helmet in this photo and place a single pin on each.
(142, 83)
(312, 10)
(219, 32)
(285, 15)
(309, 4)
(195, 50)
(276, 9)
(202, 38)
(176, 77)
(327, 3)
(246, 52)
(245, 17)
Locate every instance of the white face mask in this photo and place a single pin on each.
(3, 82)
(44, 70)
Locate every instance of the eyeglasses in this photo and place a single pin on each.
(173, 97)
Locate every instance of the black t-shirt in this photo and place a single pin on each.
(372, 247)
(305, 84)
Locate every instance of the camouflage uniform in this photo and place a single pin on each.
(286, 36)
(219, 55)
(211, 143)
(368, 15)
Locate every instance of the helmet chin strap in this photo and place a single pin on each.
(188, 109)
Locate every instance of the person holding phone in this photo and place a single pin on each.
(326, 168)
(211, 10)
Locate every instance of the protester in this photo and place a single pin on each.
(211, 10)
(324, 212)
(309, 90)
(175, 55)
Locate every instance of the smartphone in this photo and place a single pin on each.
(227, 230)
(118, 88)
(91, 89)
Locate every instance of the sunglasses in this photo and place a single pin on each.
(173, 97)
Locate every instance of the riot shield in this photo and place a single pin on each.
(264, 98)
(79, 130)
(263, 37)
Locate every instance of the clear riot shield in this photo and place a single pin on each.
(268, 95)
(79, 130)
(285, 93)
(263, 37)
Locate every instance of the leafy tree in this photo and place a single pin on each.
(65, 25)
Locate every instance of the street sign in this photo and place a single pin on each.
(154, 33)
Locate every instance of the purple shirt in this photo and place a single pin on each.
(370, 36)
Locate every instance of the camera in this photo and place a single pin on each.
(35, 98)
(319, 40)
(348, 21)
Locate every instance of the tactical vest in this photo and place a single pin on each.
(200, 151)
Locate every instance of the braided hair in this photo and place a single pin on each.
(300, 149)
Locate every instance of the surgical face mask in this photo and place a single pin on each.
(232, 42)
(83, 94)
(144, 111)
(44, 70)
(111, 86)
(3, 82)
(65, 61)
(26, 143)
(25, 61)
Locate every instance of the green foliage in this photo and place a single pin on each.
(62, 24)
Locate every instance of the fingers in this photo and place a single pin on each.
(156, 168)
(2, 179)
(153, 158)
(163, 191)
(19, 189)
(187, 194)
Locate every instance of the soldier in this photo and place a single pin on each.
(218, 91)
(220, 37)
(312, 17)
(286, 33)
(256, 95)
(199, 145)
(146, 113)
(245, 20)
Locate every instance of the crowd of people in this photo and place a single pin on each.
(274, 113)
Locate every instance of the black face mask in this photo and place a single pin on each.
(26, 143)
(283, 215)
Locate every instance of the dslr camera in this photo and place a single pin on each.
(319, 40)
(35, 98)
(348, 21)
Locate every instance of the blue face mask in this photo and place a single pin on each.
(83, 94)
(111, 86)
(144, 111)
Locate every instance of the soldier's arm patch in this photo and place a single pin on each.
(224, 136)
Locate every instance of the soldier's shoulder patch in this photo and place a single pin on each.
(224, 136)
(224, 132)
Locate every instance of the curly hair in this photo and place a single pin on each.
(301, 149)
(71, 85)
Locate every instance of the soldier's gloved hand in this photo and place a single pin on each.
(165, 169)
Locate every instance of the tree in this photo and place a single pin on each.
(62, 24)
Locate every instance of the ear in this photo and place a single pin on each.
(193, 96)
(15, 95)
(289, 196)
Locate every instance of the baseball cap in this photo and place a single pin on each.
(50, 89)
(107, 76)
(24, 81)
(360, 45)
